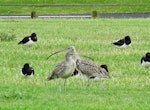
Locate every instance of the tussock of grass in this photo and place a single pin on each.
(10, 36)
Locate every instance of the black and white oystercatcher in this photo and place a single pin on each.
(29, 40)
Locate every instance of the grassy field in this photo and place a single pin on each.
(128, 90)
(73, 10)
(74, 2)
(102, 6)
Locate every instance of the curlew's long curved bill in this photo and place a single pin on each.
(65, 50)
(56, 53)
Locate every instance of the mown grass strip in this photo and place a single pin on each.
(73, 6)
(73, 10)
(74, 2)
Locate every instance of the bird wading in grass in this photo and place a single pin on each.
(145, 60)
(29, 40)
(27, 70)
(92, 70)
(123, 43)
(66, 68)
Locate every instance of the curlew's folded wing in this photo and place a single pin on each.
(58, 70)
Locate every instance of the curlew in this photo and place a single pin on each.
(145, 60)
(65, 68)
(92, 70)
(76, 56)
(123, 43)
(29, 40)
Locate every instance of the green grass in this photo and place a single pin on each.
(83, 6)
(128, 90)
(73, 10)
(74, 2)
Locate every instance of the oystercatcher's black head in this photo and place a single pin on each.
(26, 65)
(147, 55)
(105, 67)
(127, 40)
(34, 37)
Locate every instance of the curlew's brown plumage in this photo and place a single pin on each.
(65, 68)
(90, 69)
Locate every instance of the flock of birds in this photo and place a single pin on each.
(74, 64)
